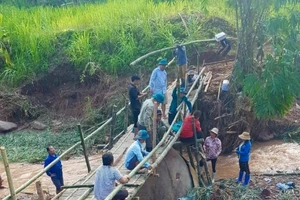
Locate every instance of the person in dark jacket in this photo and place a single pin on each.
(173, 106)
(55, 172)
(225, 47)
(135, 97)
(180, 53)
(243, 151)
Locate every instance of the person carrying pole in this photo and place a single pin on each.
(105, 179)
(145, 119)
(135, 100)
(180, 53)
(55, 172)
(173, 106)
(212, 148)
(158, 83)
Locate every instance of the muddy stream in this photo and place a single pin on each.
(266, 157)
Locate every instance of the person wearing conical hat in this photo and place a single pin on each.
(212, 147)
(243, 151)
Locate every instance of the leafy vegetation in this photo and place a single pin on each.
(111, 35)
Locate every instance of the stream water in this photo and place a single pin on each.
(266, 157)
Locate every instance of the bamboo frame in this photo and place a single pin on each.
(166, 150)
(8, 174)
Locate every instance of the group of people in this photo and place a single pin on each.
(143, 128)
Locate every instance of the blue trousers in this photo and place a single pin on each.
(58, 181)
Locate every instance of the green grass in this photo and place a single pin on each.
(111, 34)
(31, 146)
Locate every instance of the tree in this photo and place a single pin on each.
(273, 85)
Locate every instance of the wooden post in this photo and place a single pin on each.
(205, 165)
(112, 126)
(8, 174)
(84, 148)
(140, 75)
(188, 148)
(39, 190)
(196, 152)
(126, 116)
(154, 132)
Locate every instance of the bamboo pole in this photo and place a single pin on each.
(8, 174)
(84, 148)
(196, 153)
(39, 190)
(112, 127)
(170, 48)
(126, 116)
(154, 132)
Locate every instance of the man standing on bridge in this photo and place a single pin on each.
(55, 172)
(145, 121)
(105, 179)
(135, 100)
(158, 83)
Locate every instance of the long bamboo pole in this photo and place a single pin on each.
(8, 174)
(137, 168)
(169, 48)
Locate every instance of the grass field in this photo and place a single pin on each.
(111, 34)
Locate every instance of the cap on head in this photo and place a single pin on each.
(191, 72)
(191, 67)
(159, 98)
(182, 90)
(163, 62)
(215, 131)
(142, 135)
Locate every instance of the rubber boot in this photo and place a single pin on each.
(247, 180)
(240, 178)
(213, 177)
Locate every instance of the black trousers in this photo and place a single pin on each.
(171, 118)
(58, 181)
(213, 164)
(135, 114)
(121, 195)
(191, 140)
(244, 167)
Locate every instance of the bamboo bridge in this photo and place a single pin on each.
(119, 144)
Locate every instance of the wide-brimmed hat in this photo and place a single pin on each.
(163, 62)
(183, 90)
(142, 135)
(245, 136)
(159, 98)
(215, 131)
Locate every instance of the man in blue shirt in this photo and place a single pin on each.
(55, 172)
(105, 179)
(158, 83)
(135, 154)
(173, 106)
(180, 53)
(225, 47)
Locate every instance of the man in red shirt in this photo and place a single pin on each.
(187, 135)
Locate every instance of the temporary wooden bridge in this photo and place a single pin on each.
(83, 188)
